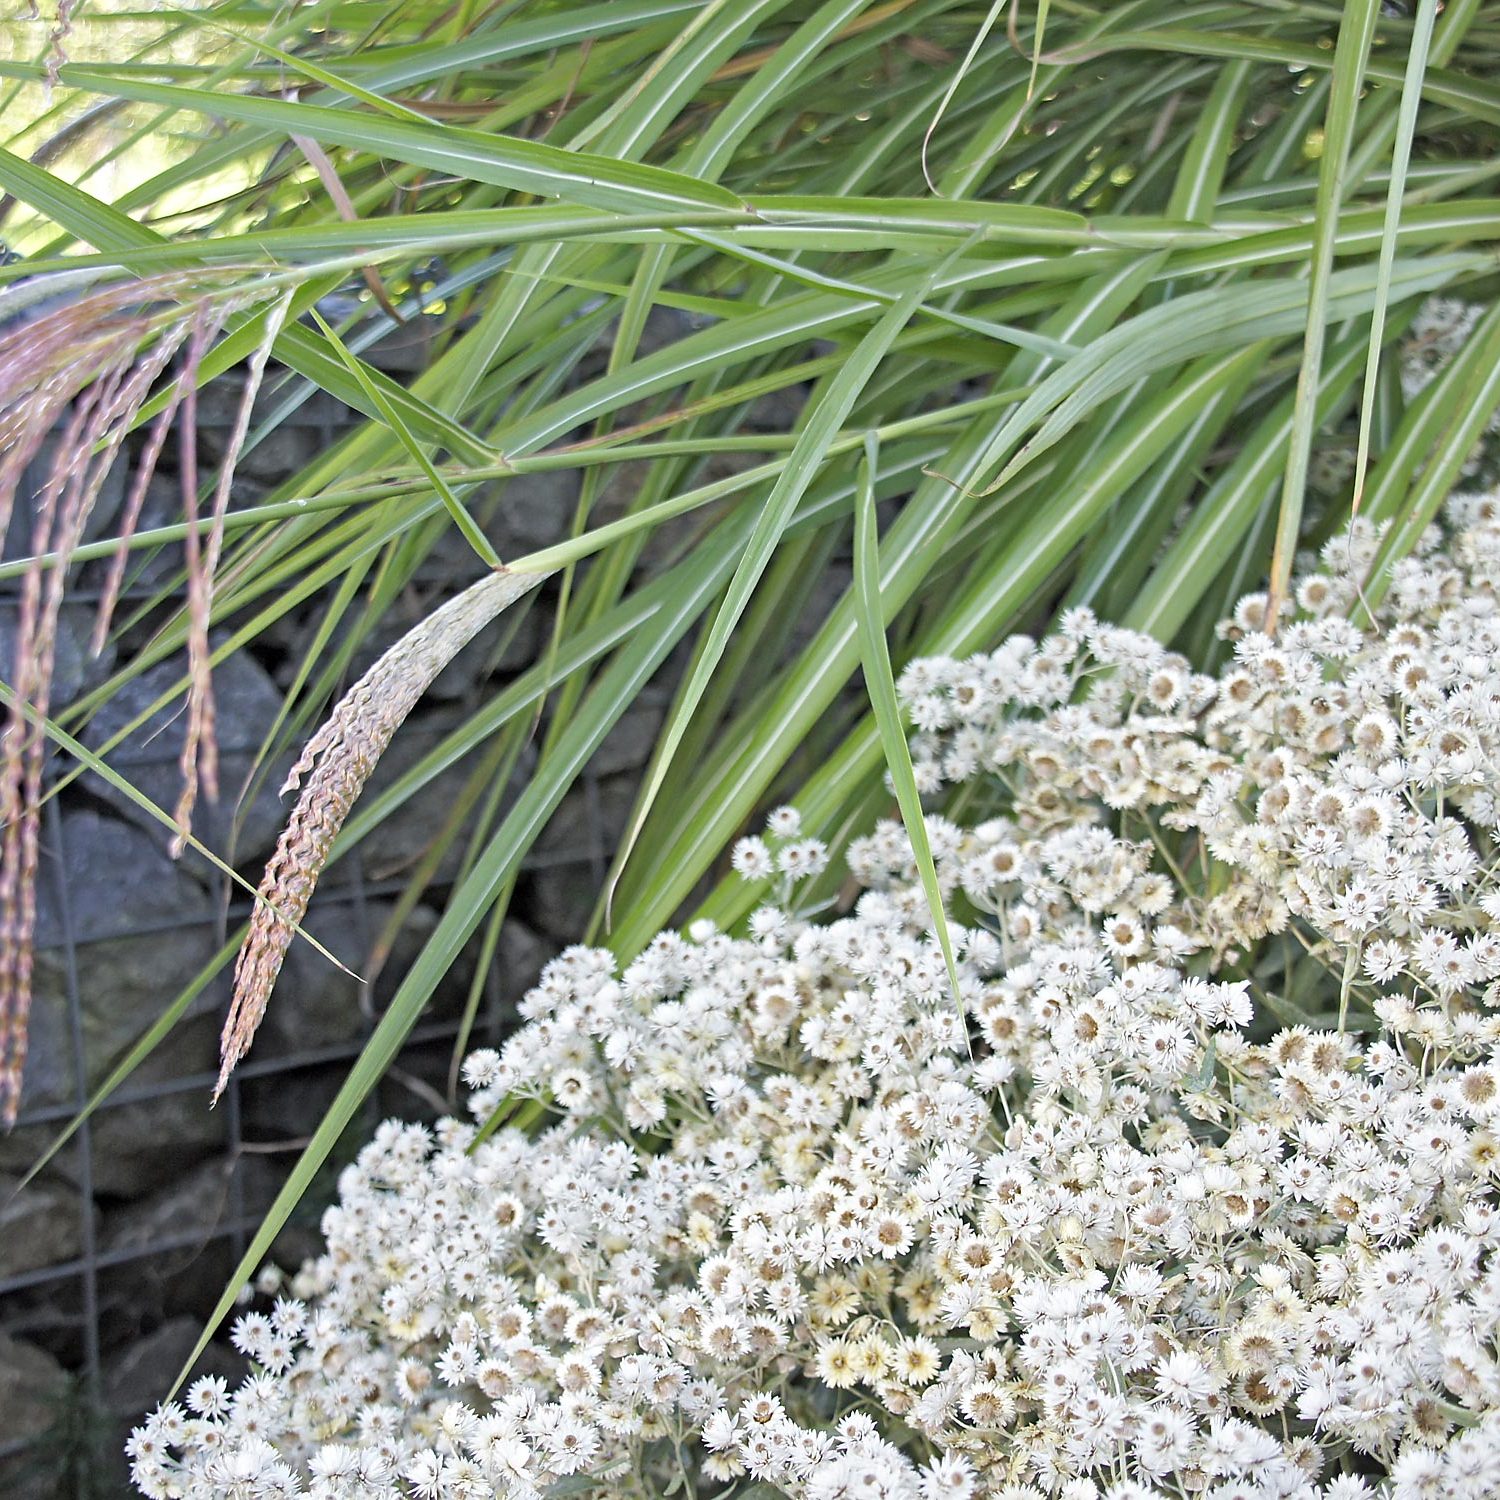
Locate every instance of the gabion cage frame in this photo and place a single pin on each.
(351, 892)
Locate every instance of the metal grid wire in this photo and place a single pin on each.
(79, 1279)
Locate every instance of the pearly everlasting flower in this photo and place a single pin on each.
(1205, 1202)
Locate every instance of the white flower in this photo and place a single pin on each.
(1213, 1153)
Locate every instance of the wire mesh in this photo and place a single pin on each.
(68, 1305)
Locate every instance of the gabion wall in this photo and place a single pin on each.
(110, 1260)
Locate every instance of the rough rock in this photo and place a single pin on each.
(535, 510)
(142, 1373)
(664, 326)
(143, 929)
(19, 535)
(160, 506)
(566, 868)
(300, 438)
(134, 1147)
(34, 1394)
(405, 350)
(137, 1378)
(246, 703)
(779, 410)
(39, 1226)
(397, 843)
(185, 1213)
(628, 746)
(519, 515)
(280, 1111)
(195, 1200)
(520, 955)
(588, 821)
(73, 668)
(109, 879)
(315, 1003)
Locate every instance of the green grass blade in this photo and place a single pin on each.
(1406, 126)
(881, 685)
(1355, 33)
(1121, 554)
(1424, 427)
(1052, 527)
(1465, 403)
(1227, 510)
(297, 346)
(802, 465)
(1200, 178)
(985, 27)
(392, 418)
(504, 161)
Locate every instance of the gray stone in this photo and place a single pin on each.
(317, 1004)
(133, 1147)
(628, 746)
(170, 1261)
(34, 1396)
(535, 510)
(588, 822)
(281, 1112)
(561, 901)
(143, 930)
(115, 891)
(195, 1200)
(138, 1378)
(117, 881)
(835, 580)
(570, 859)
(405, 350)
(395, 845)
(302, 437)
(39, 1226)
(160, 506)
(664, 326)
(520, 955)
(778, 411)
(20, 535)
(246, 703)
(73, 668)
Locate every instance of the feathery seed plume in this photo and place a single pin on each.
(337, 762)
(77, 375)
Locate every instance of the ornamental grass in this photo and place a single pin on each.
(1035, 1035)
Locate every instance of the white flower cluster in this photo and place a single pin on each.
(1201, 1203)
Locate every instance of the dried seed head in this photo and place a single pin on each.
(200, 756)
(90, 366)
(337, 762)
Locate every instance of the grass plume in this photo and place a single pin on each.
(79, 376)
(337, 762)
